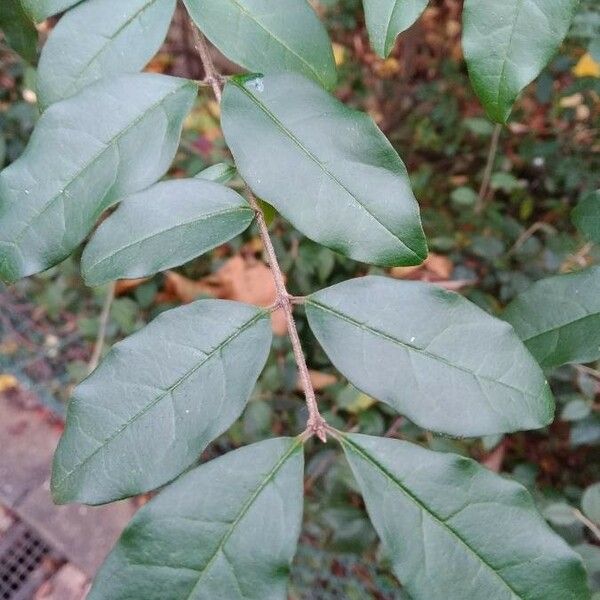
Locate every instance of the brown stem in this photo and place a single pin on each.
(210, 73)
(315, 425)
(487, 174)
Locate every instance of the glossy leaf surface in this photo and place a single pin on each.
(163, 227)
(507, 44)
(228, 529)
(42, 9)
(558, 318)
(586, 216)
(268, 37)
(432, 355)
(19, 31)
(100, 38)
(84, 155)
(386, 19)
(157, 400)
(453, 529)
(326, 168)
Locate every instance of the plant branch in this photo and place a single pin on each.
(104, 315)
(210, 73)
(487, 174)
(316, 425)
(587, 522)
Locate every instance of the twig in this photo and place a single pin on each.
(539, 225)
(487, 174)
(589, 524)
(104, 315)
(394, 428)
(588, 371)
(315, 425)
(210, 73)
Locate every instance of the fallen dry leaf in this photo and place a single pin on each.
(8, 383)
(178, 288)
(123, 286)
(244, 280)
(319, 380)
(160, 63)
(587, 67)
(436, 267)
(9, 347)
(495, 458)
(339, 54)
(387, 68)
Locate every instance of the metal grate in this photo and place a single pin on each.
(21, 563)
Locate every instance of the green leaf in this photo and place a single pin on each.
(591, 559)
(586, 216)
(453, 529)
(560, 514)
(163, 227)
(575, 410)
(463, 197)
(507, 44)
(431, 355)
(158, 399)
(100, 38)
(504, 181)
(590, 503)
(84, 154)
(326, 168)
(19, 31)
(386, 19)
(267, 36)
(219, 173)
(558, 318)
(226, 530)
(39, 10)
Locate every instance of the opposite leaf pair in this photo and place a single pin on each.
(228, 530)
(291, 141)
(152, 406)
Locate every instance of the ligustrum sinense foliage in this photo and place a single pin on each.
(228, 529)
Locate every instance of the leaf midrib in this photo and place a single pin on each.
(410, 347)
(107, 146)
(321, 166)
(518, 7)
(423, 507)
(194, 221)
(77, 74)
(217, 349)
(297, 443)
